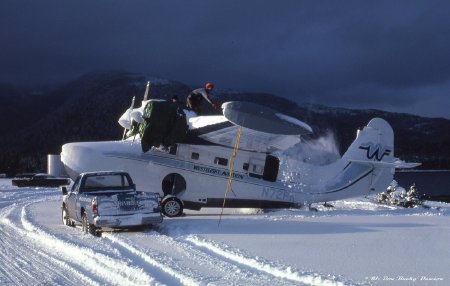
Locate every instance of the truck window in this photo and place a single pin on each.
(106, 181)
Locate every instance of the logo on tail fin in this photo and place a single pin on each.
(375, 151)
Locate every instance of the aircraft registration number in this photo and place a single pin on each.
(277, 194)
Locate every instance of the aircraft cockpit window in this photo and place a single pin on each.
(195, 156)
(221, 161)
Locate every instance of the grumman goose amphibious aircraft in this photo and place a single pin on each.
(192, 160)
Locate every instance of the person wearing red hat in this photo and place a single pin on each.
(194, 99)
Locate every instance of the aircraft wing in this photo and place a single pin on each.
(263, 119)
(264, 130)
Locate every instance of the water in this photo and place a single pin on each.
(433, 183)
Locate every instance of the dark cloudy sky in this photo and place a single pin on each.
(391, 55)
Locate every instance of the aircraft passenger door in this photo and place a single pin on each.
(271, 168)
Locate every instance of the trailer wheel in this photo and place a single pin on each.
(87, 227)
(172, 207)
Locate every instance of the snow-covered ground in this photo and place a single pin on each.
(357, 242)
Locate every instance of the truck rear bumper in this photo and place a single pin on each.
(127, 220)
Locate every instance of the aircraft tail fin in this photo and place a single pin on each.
(374, 147)
(367, 166)
(374, 144)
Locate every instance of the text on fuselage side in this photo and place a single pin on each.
(219, 172)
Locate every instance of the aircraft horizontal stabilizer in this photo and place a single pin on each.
(399, 164)
(382, 164)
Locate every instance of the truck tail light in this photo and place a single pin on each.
(94, 207)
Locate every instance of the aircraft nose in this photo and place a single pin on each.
(76, 157)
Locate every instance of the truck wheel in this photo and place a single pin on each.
(65, 217)
(172, 207)
(87, 227)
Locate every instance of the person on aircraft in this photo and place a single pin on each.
(175, 99)
(194, 99)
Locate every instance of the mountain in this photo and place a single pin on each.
(37, 122)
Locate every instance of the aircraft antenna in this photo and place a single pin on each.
(131, 107)
(147, 89)
(230, 170)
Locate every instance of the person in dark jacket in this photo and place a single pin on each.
(175, 99)
(195, 98)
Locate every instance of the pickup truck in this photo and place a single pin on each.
(108, 199)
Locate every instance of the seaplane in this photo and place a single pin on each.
(230, 160)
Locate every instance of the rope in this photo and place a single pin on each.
(230, 171)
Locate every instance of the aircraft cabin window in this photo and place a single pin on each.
(257, 169)
(221, 161)
(195, 156)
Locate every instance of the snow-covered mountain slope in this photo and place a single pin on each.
(357, 242)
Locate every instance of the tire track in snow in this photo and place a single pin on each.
(152, 260)
(191, 265)
(8, 250)
(69, 268)
(23, 262)
(262, 265)
(49, 243)
(39, 250)
(29, 266)
(112, 270)
(23, 195)
(166, 268)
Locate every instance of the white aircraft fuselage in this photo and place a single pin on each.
(198, 174)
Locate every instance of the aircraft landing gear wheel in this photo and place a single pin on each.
(172, 207)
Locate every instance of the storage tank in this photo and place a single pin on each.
(55, 167)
